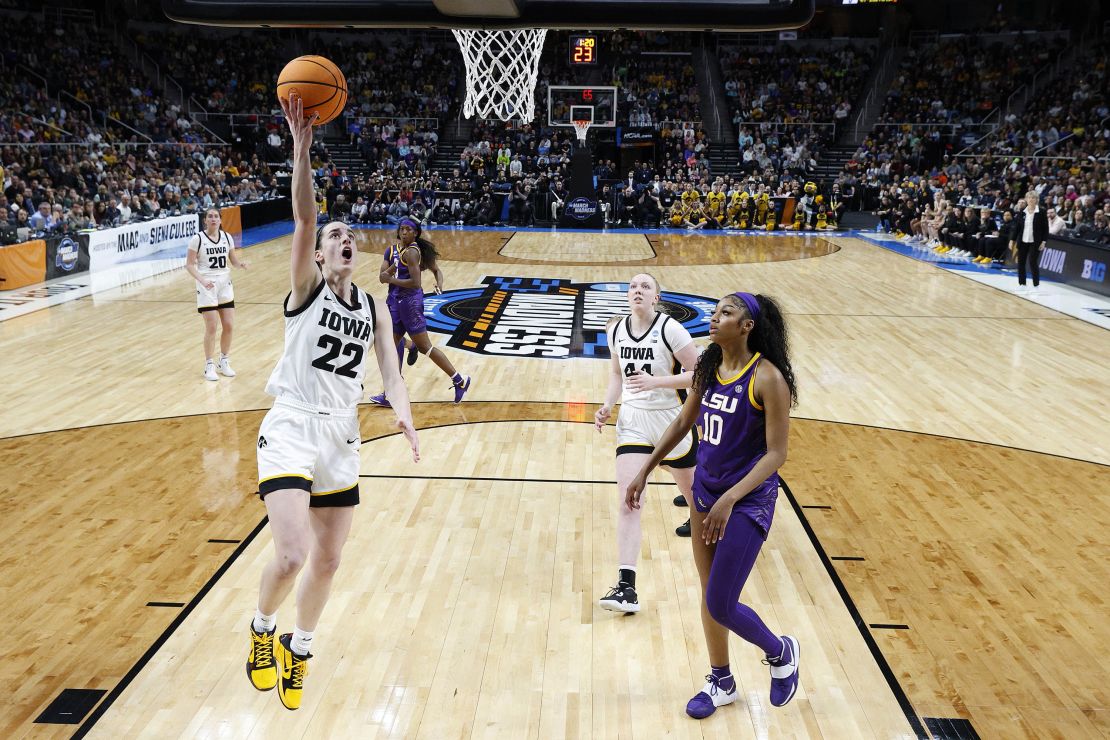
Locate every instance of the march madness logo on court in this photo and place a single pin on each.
(538, 317)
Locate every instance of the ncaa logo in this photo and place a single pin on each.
(581, 208)
(67, 255)
(549, 318)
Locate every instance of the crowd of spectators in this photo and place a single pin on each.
(788, 102)
(944, 207)
(962, 80)
(1067, 117)
(794, 84)
(81, 187)
(226, 73)
(914, 178)
(84, 62)
(517, 173)
(645, 196)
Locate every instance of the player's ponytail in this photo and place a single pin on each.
(428, 253)
(770, 338)
(706, 369)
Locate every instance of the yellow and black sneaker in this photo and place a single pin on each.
(261, 668)
(293, 670)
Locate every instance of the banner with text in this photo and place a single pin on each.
(136, 241)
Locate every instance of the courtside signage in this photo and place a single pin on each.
(135, 241)
(548, 318)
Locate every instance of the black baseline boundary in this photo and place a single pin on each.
(124, 682)
(853, 611)
(876, 653)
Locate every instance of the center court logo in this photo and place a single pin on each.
(550, 318)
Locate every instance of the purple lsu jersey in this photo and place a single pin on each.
(393, 255)
(406, 305)
(732, 439)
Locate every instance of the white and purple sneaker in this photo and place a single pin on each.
(706, 701)
(785, 671)
(381, 400)
(461, 388)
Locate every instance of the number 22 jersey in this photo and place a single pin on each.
(326, 344)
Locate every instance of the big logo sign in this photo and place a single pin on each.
(552, 318)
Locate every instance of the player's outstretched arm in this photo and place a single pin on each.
(679, 428)
(304, 275)
(395, 389)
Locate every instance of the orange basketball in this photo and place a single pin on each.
(318, 82)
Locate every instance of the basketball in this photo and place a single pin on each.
(318, 82)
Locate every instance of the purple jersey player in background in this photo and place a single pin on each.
(743, 389)
(401, 266)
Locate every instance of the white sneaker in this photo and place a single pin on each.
(210, 371)
(225, 367)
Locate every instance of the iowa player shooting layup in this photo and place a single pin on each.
(308, 461)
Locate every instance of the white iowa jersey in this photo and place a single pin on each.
(327, 341)
(213, 257)
(653, 353)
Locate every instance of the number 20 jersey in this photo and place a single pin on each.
(213, 256)
(326, 344)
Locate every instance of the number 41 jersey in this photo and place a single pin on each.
(326, 344)
(651, 353)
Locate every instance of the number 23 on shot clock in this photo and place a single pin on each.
(583, 49)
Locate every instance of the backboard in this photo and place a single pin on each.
(710, 15)
(565, 102)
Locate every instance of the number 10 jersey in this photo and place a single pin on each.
(326, 344)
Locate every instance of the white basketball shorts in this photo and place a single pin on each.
(639, 430)
(222, 294)
(310, 449)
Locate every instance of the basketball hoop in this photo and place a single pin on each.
(501, 70)
(580, 128)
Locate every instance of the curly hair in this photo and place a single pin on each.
(769, 337)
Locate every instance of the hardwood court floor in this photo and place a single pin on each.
(989, 556)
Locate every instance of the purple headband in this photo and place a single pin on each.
(751, 302)
(412, 224)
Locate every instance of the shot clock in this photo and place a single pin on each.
(583, 50)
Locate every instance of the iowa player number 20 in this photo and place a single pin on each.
(334, 349)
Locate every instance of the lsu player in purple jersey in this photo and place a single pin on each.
(402, 265)
(742, 392)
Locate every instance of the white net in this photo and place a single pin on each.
(501, 70)
(581, 128)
